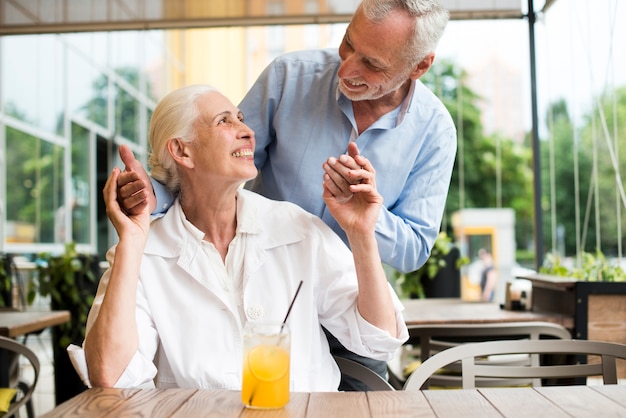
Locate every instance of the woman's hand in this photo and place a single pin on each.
(352, 198)
(127, 225)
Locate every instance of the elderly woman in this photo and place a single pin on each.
(173, 303)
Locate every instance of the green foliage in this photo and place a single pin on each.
(483, 157)
(126, 106)
(525, 257)
(6, 283)
(567, 159)
(35, 186)
(411, 283)
(594, 268)
(69, 279)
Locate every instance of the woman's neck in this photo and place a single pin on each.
(215, 217)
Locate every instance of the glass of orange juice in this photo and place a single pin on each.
(266, 361)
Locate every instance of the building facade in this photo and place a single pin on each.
(68, 101)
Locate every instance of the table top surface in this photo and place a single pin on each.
(555, 401)
(457, 311)
(15, 323)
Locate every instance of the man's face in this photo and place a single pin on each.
(371, 61)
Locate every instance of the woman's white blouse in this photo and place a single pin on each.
(190, 313)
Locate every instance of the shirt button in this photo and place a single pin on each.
(255, 311)
(165, 206)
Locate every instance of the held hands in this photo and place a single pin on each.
(134, 189)
(350, 191)
(132, 226)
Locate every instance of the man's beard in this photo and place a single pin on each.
(370, 94)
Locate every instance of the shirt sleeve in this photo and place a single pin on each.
(138, 372)
(141, 368)
(407, 230)
(379, 344)
(337, 303)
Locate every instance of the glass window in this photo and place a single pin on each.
(127, 55)
(87, 90)
(80, 194)
(275, 41)
(32, 75)
(154, 66)
(93, 47)
(126, 114)
(34, 178)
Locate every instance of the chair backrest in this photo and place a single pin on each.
(358, 371)
(467, 353)
(432, 339)
(27, 389)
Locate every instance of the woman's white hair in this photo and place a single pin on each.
(430, 21)
(173, 117)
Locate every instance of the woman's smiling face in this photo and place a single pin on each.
(224, 144)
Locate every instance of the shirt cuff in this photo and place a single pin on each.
(138, 372)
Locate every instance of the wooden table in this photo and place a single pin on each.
(456, 311)
(16, 323)
(554, 401)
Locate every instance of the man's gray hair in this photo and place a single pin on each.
(430, 21)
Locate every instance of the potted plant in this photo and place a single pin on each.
(70, 280)
(591, 297)
(594, 268)
(6, 284)
(439, 276)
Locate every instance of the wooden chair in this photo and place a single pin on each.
(358, 371)
(432, 339)
(24, 389)
(470, 369)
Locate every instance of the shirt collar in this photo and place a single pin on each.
(405, 106)
(247, 220)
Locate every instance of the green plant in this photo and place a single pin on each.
(411, 283)
(6, 283)
(69, 279)
(594, 268)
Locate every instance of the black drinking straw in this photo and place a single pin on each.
(290, 306)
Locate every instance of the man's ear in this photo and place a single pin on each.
(180, 152)
(423, 66)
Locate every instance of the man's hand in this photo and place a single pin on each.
(134, 189)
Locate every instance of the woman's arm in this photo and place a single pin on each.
(113, 339)
(352, 198)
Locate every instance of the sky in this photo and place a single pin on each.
(579, 50)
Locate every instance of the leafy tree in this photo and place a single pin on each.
(591, 135)
(126, 106)
(599, 132)
(481, 156)
(562, 142)
(34, 180)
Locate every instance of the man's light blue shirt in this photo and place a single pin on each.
(300, 119)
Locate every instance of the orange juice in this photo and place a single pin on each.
(265, 366)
